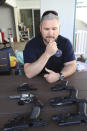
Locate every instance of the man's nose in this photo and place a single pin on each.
(50, 32)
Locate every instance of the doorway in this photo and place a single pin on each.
(31, 19)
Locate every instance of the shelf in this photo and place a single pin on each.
(24, 35)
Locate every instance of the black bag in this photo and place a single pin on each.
(5, 54)
(8, 50)
(4, 63)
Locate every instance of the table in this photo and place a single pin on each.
(10, 109)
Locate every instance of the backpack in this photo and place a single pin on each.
(4, 63)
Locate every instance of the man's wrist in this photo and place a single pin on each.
(61, 77)
(47, 55)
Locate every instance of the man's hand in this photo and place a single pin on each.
(51, 48)
(51, 76)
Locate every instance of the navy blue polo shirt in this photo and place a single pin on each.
(36, 47)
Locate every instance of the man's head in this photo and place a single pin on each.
(49, 26)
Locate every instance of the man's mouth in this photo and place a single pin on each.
(50, 37)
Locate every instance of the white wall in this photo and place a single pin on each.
(7, 19)
(65, 9)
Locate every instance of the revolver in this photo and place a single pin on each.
(23, 98)
(27, 98)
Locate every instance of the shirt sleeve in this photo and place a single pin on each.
(29, 53)
(68, 52)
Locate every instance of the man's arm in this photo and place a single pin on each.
(33, 69)
(69, 69)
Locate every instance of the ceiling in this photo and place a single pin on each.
(24, 3)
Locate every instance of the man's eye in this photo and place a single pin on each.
(46, 29)
(54, 28)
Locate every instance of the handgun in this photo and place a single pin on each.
(23, 98)
(78, 117)
(27, 98)
(60, 86)
(64, 100)
(25, 121)
(25, 87)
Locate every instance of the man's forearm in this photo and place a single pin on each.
(69, 69)
(32, 69)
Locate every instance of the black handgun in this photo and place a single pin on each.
(25, 87)
(64, 100)
(60, 86)
(79, 117)
(25, 121)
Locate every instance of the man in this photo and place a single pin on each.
(40, 54)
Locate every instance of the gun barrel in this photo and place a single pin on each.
(25, 95)
(70, 123)
(14, 97)
(16, 127)
(24, 126)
